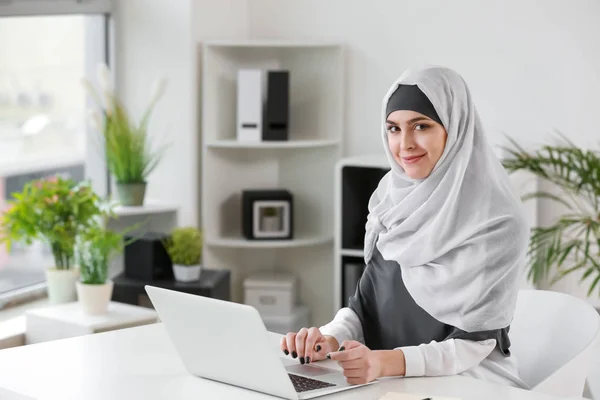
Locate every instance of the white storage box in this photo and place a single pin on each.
(272, 293)
(297, 320)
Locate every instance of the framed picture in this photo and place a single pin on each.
(267, 214)
(271, 219)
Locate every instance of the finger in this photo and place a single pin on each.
(353, 364)
(347, 355)
(320, 348)
(351, 344)
(354, 373)
(283, 345)
(300, 339)
(357, 381)
(290, 339)
(311, 340)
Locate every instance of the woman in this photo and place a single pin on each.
(444, 246)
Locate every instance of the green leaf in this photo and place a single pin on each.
(594, 283)
(546, 195)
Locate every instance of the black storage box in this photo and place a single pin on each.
(147, 259)
(276, 116)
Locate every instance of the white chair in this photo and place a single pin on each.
(554, 337)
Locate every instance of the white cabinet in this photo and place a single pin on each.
(303, 165)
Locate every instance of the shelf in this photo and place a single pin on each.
(352, 252)
(366, 161)
(241, 242)
(150, 207)
(290, 144)
(269, 43)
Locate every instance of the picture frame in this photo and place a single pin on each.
(267, 214)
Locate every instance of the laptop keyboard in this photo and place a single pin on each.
(302, 384)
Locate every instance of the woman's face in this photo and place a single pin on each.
(416, 141)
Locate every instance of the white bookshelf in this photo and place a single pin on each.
(304, 164)
(291, 144)
(240, 242)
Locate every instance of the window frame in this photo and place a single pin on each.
(13, 8)
(94, 163)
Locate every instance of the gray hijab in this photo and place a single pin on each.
(459, 235)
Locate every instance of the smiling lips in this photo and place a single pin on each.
(412, 159)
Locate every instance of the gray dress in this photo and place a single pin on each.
(391, 318)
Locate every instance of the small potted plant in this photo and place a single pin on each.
(129, 155)
(270, 219)
(57, 211)
(184, 247)
(95, 249)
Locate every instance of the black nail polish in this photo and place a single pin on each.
(328, 356)
(286, 352)
(301, 360)
(342, 348)
(308, 360)
(294, 354)
(318, 348)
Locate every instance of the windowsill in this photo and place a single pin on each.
(12, 315)
(15, 298)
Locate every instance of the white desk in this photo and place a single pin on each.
(141, 363)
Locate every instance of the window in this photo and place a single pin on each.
(44, 129)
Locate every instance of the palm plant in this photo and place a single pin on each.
(572, 243)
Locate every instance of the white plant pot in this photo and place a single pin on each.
(271, 224)
(61, 285)
(94, 299)
(187, 273)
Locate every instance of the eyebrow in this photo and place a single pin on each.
(410, 121)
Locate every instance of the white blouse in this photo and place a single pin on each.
(480, 360)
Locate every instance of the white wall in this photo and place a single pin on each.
(154, 39)
(157, 38)
(533, 66)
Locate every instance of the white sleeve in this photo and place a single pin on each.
(344, 326)
(450, 357)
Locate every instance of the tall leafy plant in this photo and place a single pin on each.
(572, 243)
(130, 154)
(55, 210)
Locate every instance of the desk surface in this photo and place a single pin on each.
(141, 363)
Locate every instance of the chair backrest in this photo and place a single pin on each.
(553, 336)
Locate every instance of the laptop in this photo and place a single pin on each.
(228, 342)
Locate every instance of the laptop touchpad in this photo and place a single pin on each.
(308, 370)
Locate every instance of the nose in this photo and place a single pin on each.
(407, 142)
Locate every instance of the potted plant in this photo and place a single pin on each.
(270, 220)
(129, 154)
(184, 247)
(55, 210)
(571, 243)
(95, 249)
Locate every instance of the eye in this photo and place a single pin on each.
(393, 129)
(421, 127)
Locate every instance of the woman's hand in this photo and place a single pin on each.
(361, 365)
(309, 344)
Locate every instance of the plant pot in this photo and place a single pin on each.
(131, 194)
(271, 223)
(187, 273)
(94, 299)
(61, 285)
